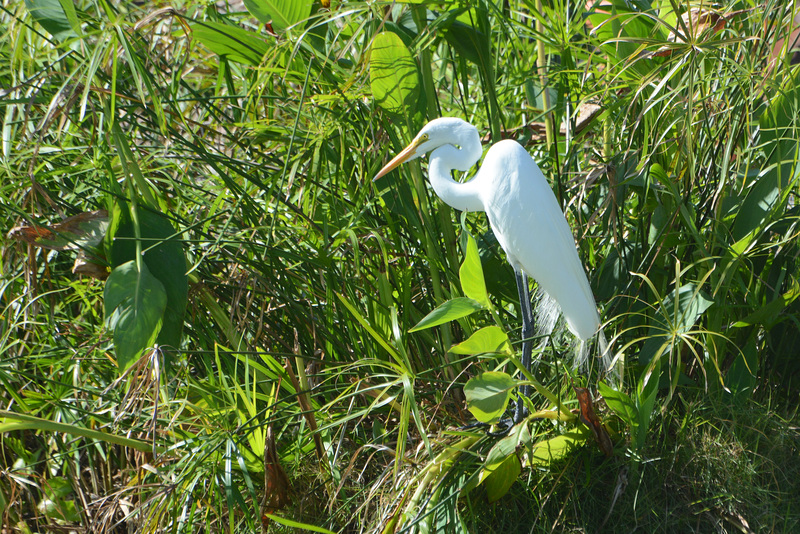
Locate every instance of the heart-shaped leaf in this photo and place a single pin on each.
(393, 74)
(488, 340)
(488, 395)
(134, 302)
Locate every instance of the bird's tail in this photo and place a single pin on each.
(548, 312)
(606, 358)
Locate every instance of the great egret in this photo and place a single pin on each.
(524, 215)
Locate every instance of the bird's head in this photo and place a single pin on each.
(437, 133)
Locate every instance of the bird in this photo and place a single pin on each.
(525, 217)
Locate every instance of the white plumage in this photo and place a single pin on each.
(522, 211)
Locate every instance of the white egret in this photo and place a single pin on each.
(523, 213)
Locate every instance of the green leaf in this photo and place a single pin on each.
(555, 449)
(741, 377)
(488, 395)
(678, 313)
(280, 13)
(691, 303)
(620, 28)
(620, 403)
(297, 525)
(768, 195)
(448, 311)
(58, 488)
(165, 259)
(134, 302)
(371, 330)
(488, 340)
(502, 477)
(469, 42)
(471, 274)
(393, 74)
(234, 43)
(768, 314)
(57, 18)
(11, 421)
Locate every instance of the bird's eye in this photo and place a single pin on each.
(424, 137)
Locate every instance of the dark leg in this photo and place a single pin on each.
(527, 339)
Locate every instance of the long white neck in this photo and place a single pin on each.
(461, 196)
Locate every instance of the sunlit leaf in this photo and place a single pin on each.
(488, 340)
(471, 274)
(770, 313)
(470, 43)
(279, 13)
(234, 43)
(448, 311)
(393, 74)
(769, 193)
(620, 403)
(678, 313)
(488, 395)
(502, 477)
(555, 449)
(58, 17)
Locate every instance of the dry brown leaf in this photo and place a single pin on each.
(589, 418)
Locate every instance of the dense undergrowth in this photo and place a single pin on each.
(281, 377)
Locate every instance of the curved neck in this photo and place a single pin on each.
(461, 196)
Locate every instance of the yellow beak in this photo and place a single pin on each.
(402, 157)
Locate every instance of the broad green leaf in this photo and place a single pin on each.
(234, 43)
(488, 340)
(469, 42)
(645, 398)
(690, 305)
(57, 488)
(741, 377)
(502, 477)
(769, 313)
(471, 274)
(60, 510)
(644, 405)
(519, 436)
(488, 395)
(620, 29)
(280, 13)
(780, 139)
(57, 18)
(165, 259)
(448, 311)
(134, 302)
(393, 74)
(555, 449)
(620, 403)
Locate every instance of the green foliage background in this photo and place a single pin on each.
(255, 138)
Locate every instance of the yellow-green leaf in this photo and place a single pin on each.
(393, 74)
(490, 339)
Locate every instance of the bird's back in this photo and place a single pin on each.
(531, 228)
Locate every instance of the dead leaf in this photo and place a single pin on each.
(589, 418)
(85, 230)
(276, 483)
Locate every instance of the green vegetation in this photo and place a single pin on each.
(248, 321)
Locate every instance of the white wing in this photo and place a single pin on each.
(531, 228)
